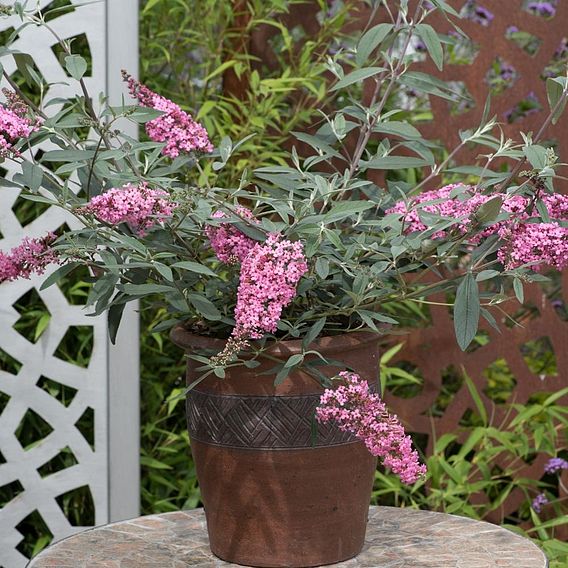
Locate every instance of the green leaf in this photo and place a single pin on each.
(25, 65)
(476, 398)
(345, 209)
(132, 243)
(445, 7)
(429, 84)
(58, 274)
(313, 332)
(145, 289)
(518, 288)
(466, 311)
(164, 271)
(322, 267)
(281, 376)
(555, 87)
(38, 198)
(536, 155)
(487, 275)
(142, 115)
(433, 44)
(396, 128)
(294, 360)
(318, 144)
(113, 320)
(194, 267)
(370, 40)
(356, 77)
(205, 307)
(67, 155)
(76, 66)
(489, 211)
(153, 463)
(32, 176)
(396, 163)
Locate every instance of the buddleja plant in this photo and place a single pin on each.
(300, 251)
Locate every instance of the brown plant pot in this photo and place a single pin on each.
(274, 494)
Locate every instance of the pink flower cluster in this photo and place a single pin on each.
(177, 128)
(228, 242)
(524, 242)
(268, 279)
(31, 256)
(537, 243)
(137, 205)
(357, 410)
(14, 124)
(270, 272)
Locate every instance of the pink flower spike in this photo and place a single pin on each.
(180, 132)
(14, 124)
(32, 256)
(357, 410)
(138, 205)
(269, 275)
(229, 243)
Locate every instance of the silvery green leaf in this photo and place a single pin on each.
(76, 66)
(205, 307)
(487, 275)
(466, 311)
(322, 267)
(357, 76)
(397, 128)
(433, 44)
(395, 163)
(536, 155)
(488, 212)
(194, 267)
(518, 288)
(555, 87)
(370, 40)
(32, 176)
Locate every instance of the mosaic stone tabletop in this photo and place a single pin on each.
(396, 538)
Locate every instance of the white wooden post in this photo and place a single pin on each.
(109, 385)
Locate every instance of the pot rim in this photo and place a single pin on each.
(326, 344)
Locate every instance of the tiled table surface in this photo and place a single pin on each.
(396, 538)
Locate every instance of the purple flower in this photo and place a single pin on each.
(539, 501)
(477, 13)
(544, 9)
(554, 465)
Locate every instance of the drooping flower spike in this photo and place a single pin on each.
(31, 256)
(180, 132)
(355, 409)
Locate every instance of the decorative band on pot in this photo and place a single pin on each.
(260, 422)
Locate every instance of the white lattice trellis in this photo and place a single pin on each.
(110, 469)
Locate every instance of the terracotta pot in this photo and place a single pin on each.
(274, 493)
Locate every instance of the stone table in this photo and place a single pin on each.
(396, 538)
